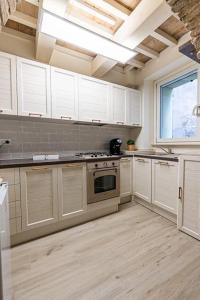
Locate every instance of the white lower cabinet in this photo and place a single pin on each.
(39, 194)
(126, 166)
(72, 193)
(142, 178)
(189, 196)
(165, 184)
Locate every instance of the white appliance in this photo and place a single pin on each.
(5, 274)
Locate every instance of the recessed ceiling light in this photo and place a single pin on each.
(93, 12)
(69, 32)
(110, 8)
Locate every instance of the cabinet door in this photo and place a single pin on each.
(33, 88)
(125, 177)
(142, 178)
(165, 185)
(133, 107)
(38, 196)
(64, 94)
(72, 190)
(118, 104)
(94, 100)
(8, 93)
(189, 196)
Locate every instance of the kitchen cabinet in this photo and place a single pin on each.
(133, 107)
(189, 196)
(126, 166)
(8, 94)
(142, 178)
(72, 193)
(39, 193)
(93, 99)
(64, 94)
(165, 184)
(118, 104)
(11, 176)
(33, 88)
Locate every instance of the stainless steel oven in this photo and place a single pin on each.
(103, 180)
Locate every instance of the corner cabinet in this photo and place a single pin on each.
(33, 88)
(133, 107)
(72, 192)
(189, 196)
(64, 92)
(142, 178)
(38, 196)
(118, 104)
(93, 100)
(165, 184)
(8, 93)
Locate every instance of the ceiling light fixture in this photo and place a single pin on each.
(71, 33)
(110, 8)
(93, 12)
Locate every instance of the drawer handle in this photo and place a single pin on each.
(34, 114)
(141, 160)
(180, 193)
(39, 168)
(65, 117)
(164, 164)
(135, 124)
(73, 166)
(125, 159)
(122, 123)
(99, 121)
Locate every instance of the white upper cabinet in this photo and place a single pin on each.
(8, 97)
(33, 87)
(64, 94)
(118, 108)
(94, 100)
(133, 107)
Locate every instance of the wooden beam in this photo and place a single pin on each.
(136, 63)
(73, 53)
(164, 37)
(146, 17)
(147, 51)
(34, 2)
(17, 34)
(24, 19)
(101, 65)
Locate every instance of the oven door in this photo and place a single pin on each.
(103, 184)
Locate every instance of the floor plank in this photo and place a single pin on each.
(134, 254)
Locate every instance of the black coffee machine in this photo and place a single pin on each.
(115, 145)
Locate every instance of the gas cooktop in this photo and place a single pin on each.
(93, 154)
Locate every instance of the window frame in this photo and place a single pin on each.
(157, 116)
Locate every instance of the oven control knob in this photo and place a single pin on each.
(113, 163)
(96, 165)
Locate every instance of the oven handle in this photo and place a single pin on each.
(115, 169)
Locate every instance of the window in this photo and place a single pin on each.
(177, 99)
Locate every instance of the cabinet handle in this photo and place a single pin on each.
(141, 160)
(164, 164)
(39, 168)
(135, 124)
(180, 193)
(125, 159)
(64, 117)
(34, 114)
(73, 165)
(122, 123)
(99, 121)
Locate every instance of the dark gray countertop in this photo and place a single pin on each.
(160, 157)
(18, 163)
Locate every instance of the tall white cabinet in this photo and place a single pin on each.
(8, 96)
(64, 94)
(189, 196)
(94, 100)
(33, 88)
(133, 107)
(118, 100)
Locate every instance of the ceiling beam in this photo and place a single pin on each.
(34, 2)
(101, 65)
(164, 37)
(17, 34)
(73, 53)
(113, 7)
(24, 19)
(136, 63)
(146, 17)
(147, 51)
(45, 44)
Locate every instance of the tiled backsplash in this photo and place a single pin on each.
(35, 136)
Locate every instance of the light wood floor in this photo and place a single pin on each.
(134, 254)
